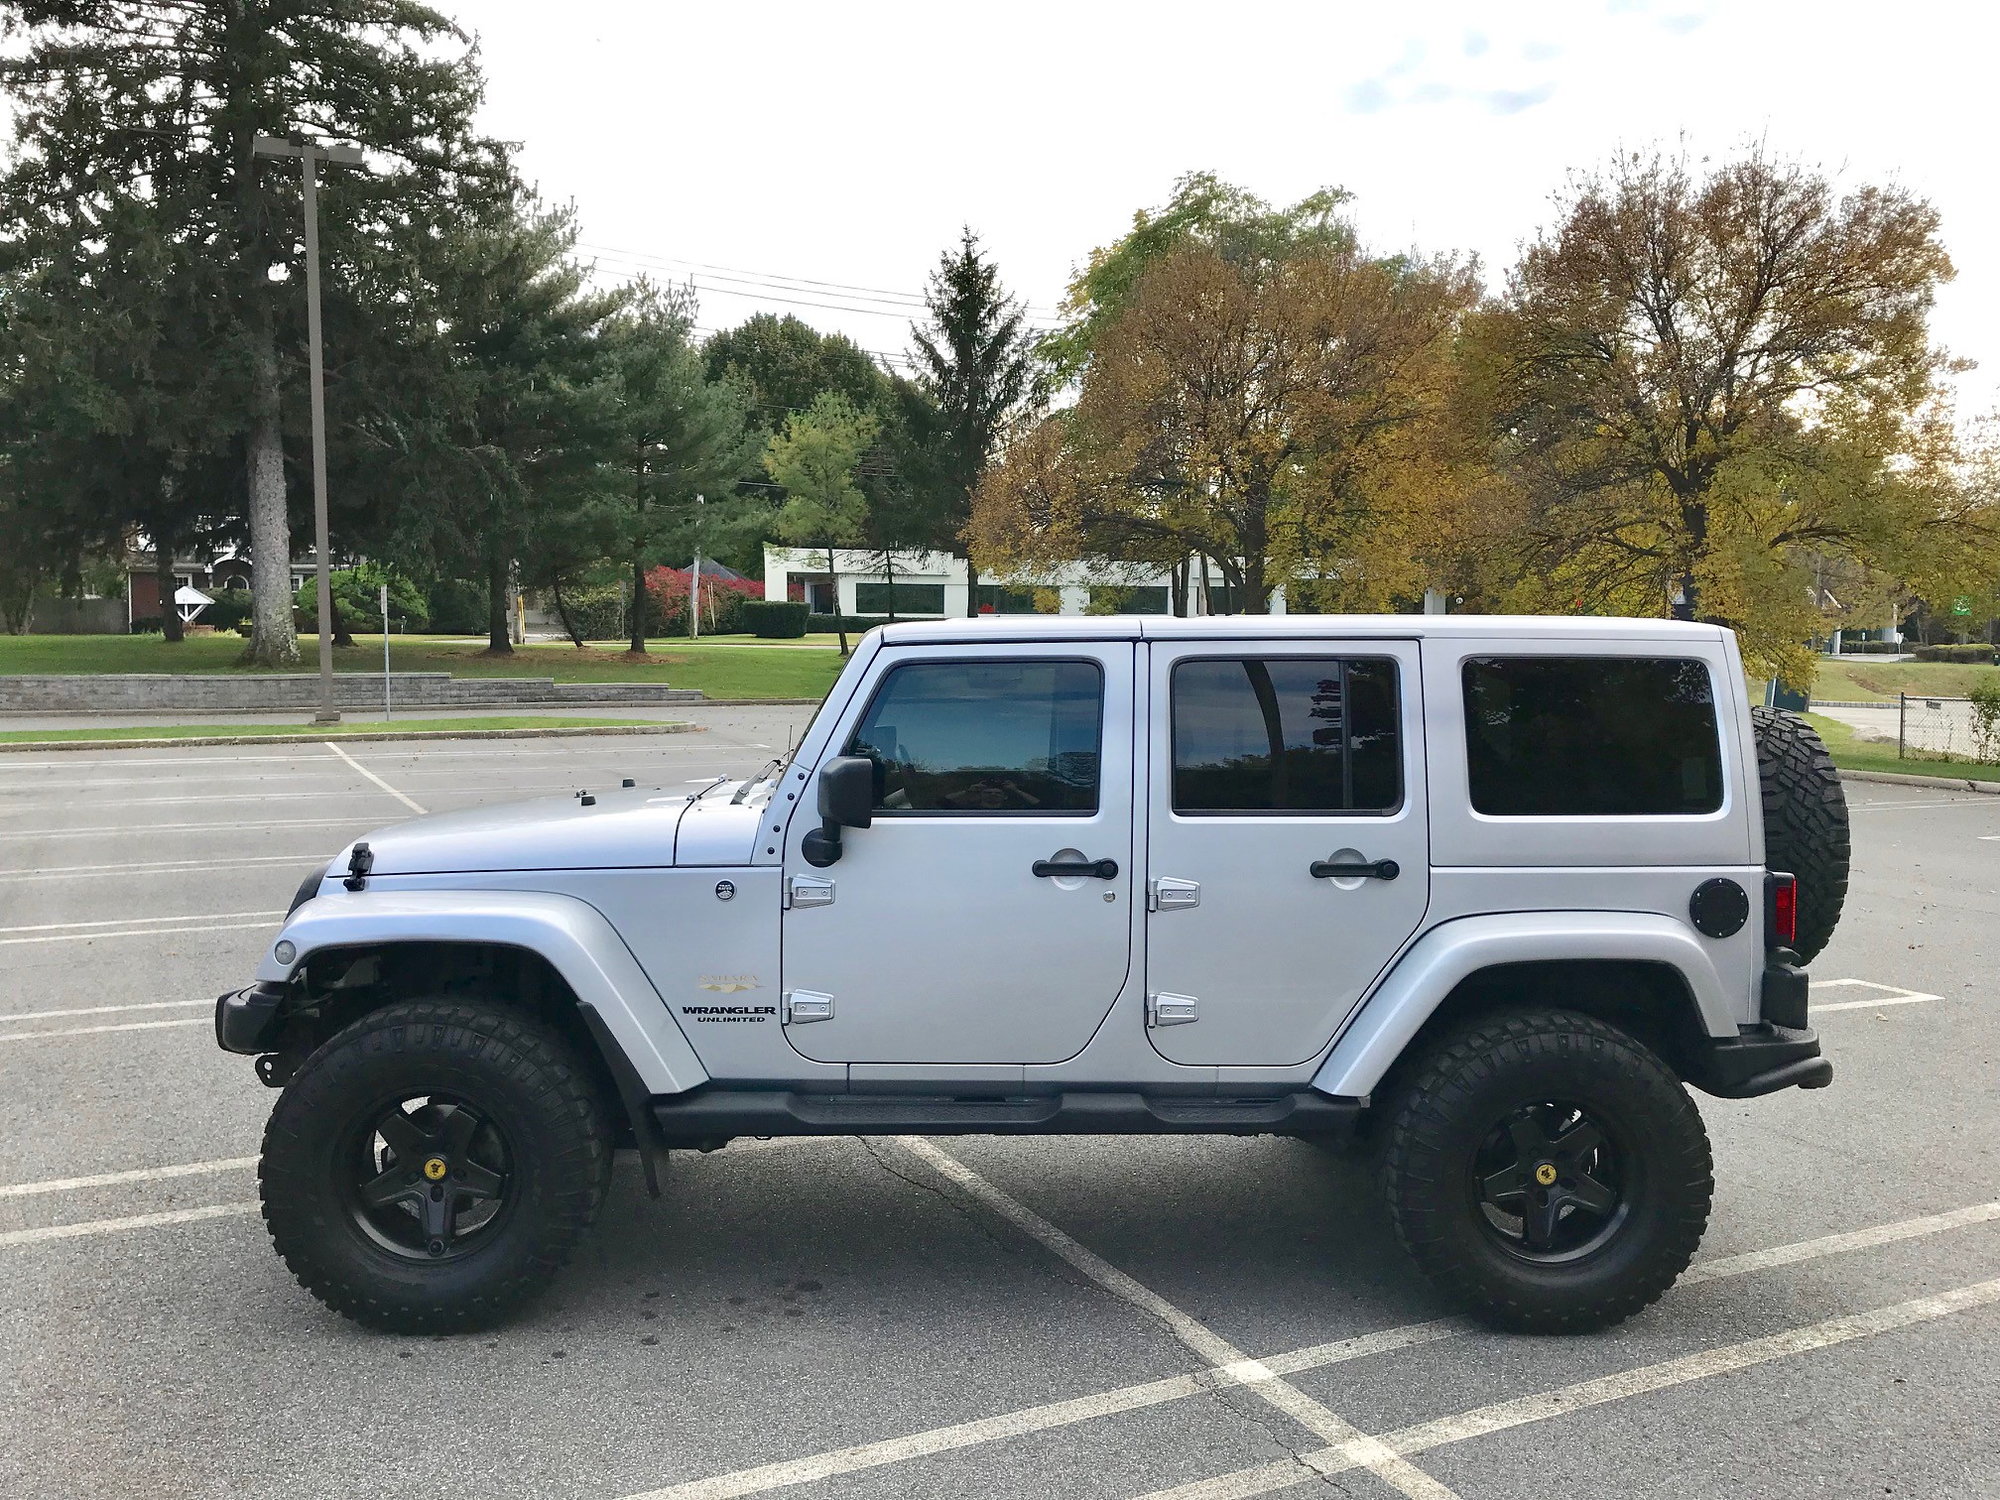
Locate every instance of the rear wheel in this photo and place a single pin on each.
(432, 1165)
(1547, 1171)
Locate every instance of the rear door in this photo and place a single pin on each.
(1288, 856)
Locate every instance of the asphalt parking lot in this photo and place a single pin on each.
(1199, 1318)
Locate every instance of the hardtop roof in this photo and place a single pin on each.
(961, 631)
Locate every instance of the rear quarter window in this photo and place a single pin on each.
(1591, 736)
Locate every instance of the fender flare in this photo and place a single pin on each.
(1453, 951)
(572, 935)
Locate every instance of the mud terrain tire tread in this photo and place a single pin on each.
(1805, 821)
(557, 1125)
(1445, 1106)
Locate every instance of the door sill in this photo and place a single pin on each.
(702, 1115)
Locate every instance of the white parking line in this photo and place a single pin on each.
(1152, 1393)
(1891, 995)
(1502, 1415)
(91, 937)
(148, 830)
(1969, 799)
(621, 750)
(38, 1036)
(411, 803)
(155, 867)
(348, 794)
(100, 1010)
(219, 916)
(136, 1174)
(1395, 1471)
(120, 1226)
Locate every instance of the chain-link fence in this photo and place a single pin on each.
(1955, 728)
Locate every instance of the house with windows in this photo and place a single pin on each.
(917, 585)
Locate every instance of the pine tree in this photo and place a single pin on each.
(679, 436)
(149, 108)
(975, 374)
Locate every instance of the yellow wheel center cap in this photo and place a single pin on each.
(435, 1169)
(1545, 1174)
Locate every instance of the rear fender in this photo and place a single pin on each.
(1452, 952)
(572, 935)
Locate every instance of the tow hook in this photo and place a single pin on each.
(275, 1069)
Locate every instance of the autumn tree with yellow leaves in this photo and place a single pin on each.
(1286, 419)
(1699, 386)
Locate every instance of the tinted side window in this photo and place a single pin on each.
(1285, 734)
(1591, 736)
(985, 736)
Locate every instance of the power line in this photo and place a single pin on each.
(779, 281)
(893, 299)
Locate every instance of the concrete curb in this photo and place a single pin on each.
(758, 703)
(339, 739)
(1897, 778)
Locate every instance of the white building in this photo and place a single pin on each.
(932, 584)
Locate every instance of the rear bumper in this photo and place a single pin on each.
(1761, 1060)
(249, 1020)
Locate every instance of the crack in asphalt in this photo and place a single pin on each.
(1258, 1412)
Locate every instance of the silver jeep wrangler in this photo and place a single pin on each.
(1485, 892)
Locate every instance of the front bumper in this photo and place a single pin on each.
(249, 1020)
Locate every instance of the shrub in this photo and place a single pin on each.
(1986, 722)
(827, 624)
(1870, 648)
(1981, 654)
(598, 612)
(457, 606)
(356, 596)
(147, 625)
(230, 609)
(722, 600)
(775, 619)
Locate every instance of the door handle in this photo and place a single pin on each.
(1096, 869)
(1381, 869)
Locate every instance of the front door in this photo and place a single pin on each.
(957, 928)
(1288, 852)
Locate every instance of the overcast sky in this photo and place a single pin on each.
(780, 144)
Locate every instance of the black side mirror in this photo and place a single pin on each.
(846, 799)
(847, 791)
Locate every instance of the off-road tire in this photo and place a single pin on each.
(1805, 821)
(1501, 1062)
(523, 1075)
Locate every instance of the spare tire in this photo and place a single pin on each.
(1805, 821)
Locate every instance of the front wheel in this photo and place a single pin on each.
(1547, 1171)
(433, 1164)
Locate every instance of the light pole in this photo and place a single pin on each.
(309, 156)
(694, 587)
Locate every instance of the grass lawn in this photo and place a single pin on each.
(1859, 679)
(1853, 754)
(721, 670)
(317, 731)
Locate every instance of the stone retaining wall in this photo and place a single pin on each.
(241, 692)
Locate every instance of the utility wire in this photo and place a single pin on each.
(780, 282)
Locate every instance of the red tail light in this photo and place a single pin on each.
(1784, 910)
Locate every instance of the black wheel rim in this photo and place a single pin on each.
(1552, 1182)
(427, 1177)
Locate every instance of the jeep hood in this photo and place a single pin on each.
(616, 830)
